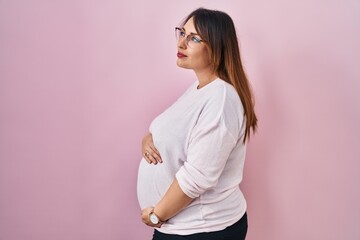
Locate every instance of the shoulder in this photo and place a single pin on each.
(221, 109)
(223, 95)
(221, 102)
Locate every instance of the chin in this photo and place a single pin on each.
(182, 65)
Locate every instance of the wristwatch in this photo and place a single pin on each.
(154, 219)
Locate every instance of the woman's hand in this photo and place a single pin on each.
(145, 217)
(150, 153)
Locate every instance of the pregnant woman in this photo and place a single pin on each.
(194, 153)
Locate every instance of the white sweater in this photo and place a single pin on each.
(200, 140)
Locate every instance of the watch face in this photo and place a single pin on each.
(154, 219)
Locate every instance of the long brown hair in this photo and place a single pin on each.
(218, 31)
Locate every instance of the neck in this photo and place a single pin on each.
(205, 78)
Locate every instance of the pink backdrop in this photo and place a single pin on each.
(80, 82)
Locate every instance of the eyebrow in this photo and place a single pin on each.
(191, 33)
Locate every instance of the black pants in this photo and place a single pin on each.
(237, 231)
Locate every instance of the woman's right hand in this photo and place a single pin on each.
(149, 151)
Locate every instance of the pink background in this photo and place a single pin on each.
(80, 82)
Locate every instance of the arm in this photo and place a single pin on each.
(199, 173)
(173, 202)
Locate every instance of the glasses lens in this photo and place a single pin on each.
(190, 42)
(177, 33)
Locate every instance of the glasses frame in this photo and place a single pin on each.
(187, 37)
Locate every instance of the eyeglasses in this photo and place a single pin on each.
(192, 40)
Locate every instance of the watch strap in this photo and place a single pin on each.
(152, 212)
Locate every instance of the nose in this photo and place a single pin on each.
(182, 43)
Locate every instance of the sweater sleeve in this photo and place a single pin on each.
(208, 151)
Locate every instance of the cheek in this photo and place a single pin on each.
(202, 58)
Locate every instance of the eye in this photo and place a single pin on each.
(195, 39)
(181, 33)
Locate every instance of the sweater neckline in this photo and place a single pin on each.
(207, 85)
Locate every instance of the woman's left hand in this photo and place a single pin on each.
(146, 219)
(150, 153)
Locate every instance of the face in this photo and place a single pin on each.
(195, 57)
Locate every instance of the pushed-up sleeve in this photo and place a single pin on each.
(209, 147)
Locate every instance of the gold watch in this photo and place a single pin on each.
(154, 219)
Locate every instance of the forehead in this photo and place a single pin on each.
(189, 26)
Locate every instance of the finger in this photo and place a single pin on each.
(152, 146)
(145, 156)
(152, 159)
(148, 146)
(156, 157)
(155, 154)
(150, 143)
(152, 156)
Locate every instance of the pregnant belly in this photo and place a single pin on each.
(152, 183)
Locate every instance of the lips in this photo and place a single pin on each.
(180, 55)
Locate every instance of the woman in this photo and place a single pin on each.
(200, 141)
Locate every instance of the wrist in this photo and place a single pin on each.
(154, 218)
